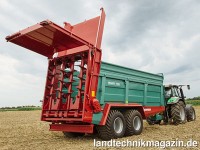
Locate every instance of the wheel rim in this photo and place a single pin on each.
(118, 125)
(182, 114)
(137, 123)
(193, 115)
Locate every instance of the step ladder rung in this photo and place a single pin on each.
(58, 90)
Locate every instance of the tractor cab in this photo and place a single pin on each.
(174, 93)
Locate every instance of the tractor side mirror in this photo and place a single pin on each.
(188, 86)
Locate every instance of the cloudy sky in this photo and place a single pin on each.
(155, 36)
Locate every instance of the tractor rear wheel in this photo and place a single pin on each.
(190, 113)
(178, 113)
(73, 134)
(114, 128)
(134, 122)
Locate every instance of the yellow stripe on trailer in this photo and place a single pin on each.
(93, 93)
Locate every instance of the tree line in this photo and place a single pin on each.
(194, 98)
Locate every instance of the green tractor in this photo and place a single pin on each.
(176, 110)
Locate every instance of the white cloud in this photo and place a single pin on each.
(17, 88)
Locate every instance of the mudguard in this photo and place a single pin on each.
(173, 100)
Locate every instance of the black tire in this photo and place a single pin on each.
(190, 113)
(73, 134)
(107, 131)
(134, 122)
(178, 113)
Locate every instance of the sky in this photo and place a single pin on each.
(156, 36)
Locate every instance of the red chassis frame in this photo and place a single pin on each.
(145, 111)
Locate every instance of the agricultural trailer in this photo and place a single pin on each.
(82, 93)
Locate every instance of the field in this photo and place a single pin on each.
(24, 130)
(193, 102)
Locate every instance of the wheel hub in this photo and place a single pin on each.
(137, 123)
(193, 115)
(182, 114)
(118, 125)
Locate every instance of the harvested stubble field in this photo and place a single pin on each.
(24, 130)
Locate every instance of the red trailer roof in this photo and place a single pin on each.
(46, 37)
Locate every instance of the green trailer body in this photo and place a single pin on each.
(126, 85)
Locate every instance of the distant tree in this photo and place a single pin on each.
(194, 98)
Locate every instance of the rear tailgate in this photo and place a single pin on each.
(46, 38)
(73, 74)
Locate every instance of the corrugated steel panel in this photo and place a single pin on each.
(126, 85)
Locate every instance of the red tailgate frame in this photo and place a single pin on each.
(47, 38)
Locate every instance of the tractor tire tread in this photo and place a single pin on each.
(175, 112)
(128, 118)
(189, 113)
(104, 131)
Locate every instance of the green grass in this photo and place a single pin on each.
(20, 109)
(193, 102)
